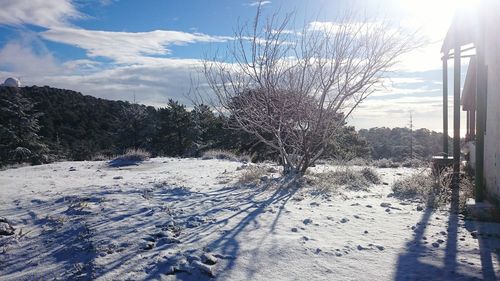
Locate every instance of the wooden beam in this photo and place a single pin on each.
(445, 107)
(456, 115)
(481, 113)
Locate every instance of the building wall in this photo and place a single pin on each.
(492, 137)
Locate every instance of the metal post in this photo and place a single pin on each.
(445, 106)
(456, 114)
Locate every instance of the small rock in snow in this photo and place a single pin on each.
(385, 183)
(366, 232)
(381, 248)
(5, 227)
(440, 241)
(72, 169)
(388, 210)
(149, 246)
(369, 206)
(385, 205)
(294, 229)
(356, 216)
(420, 208)
(307, 221)
(361, 248)
(117, 177)
(435, 245)
(344, 220)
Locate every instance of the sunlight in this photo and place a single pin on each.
(434, 17)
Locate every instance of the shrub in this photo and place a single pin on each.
(225, 155)
(100, 157)
(419, 185)
(252, 175)
(131, 157)
(435, 191)
(385, 163)
(349, 178)
(357, 162)
(371, 175)
(413, 163)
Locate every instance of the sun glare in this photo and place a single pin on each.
(434, 16)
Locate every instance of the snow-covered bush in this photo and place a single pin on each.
(100, 157)
(253, 175)
(131, 157)
(370, 175)
(434, 191)
(419, 185)
(385, 163)
(414, 163)
(346, 177)
(357, 162)
(225, 155)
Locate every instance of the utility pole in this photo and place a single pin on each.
(411, 135)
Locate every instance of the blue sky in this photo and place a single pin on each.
(148, 49)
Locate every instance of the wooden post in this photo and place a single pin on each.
(481, 100)
(456, 113)
(445, 105)
(467, 124)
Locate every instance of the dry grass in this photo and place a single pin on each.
(435, 191)
(100, 157)
(131, 157)
(356, 180)
(252, 175)
(414, 163)
(371, 175)
(225, 155)
(385, 163)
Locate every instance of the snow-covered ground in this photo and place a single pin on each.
(188, 219)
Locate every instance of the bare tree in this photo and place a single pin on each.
(292, 89)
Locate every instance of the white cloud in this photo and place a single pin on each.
(45, 13)
(125, 47)
(256, 3)
(21, 58)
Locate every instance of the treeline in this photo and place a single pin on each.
(44, 124)
(400, 144)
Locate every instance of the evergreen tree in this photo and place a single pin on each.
(19, 139)
(175, 130)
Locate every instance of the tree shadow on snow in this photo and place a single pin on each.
(68, 234)
(412, 264)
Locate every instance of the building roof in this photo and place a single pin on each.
(463, 29)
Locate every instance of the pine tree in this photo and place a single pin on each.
(19, 139)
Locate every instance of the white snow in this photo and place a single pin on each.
(188, 219)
